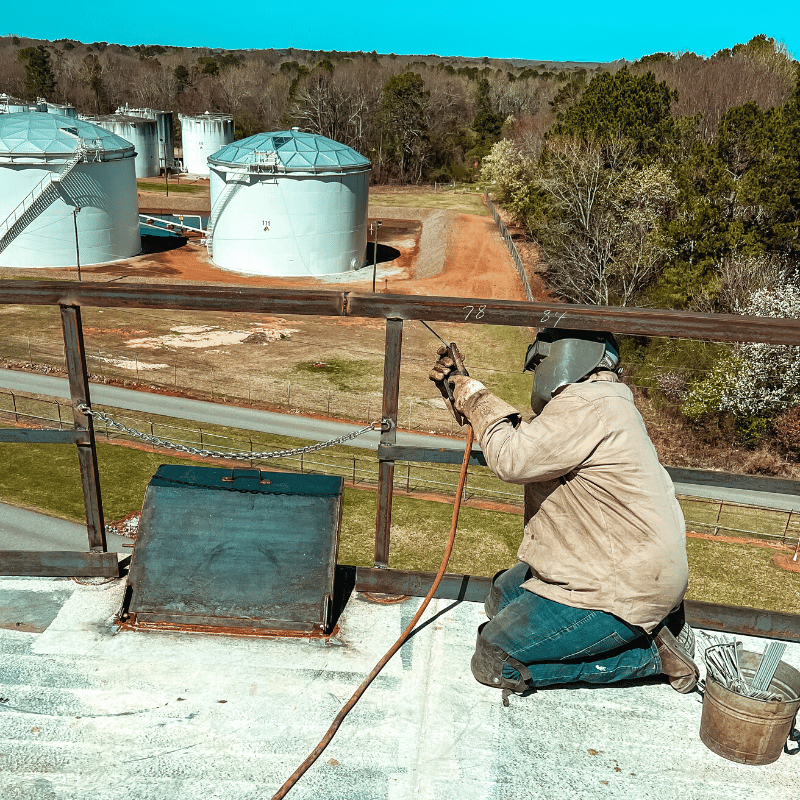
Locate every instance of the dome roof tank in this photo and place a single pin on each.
(288, 204)
(62, 176)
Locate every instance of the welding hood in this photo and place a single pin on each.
(560, 357)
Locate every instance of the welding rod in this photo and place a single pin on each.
(434, 333)
(768, 666)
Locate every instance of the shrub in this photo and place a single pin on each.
(752, 431)
(786, 427)
(672, 386)
(764, 463)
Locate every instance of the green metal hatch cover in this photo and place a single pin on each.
(238, 549)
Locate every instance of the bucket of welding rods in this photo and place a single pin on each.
(750, 702)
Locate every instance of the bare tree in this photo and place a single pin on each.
(599, 228)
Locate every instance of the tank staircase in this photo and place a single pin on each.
(265, 161)
(40, 197)
(228, 192)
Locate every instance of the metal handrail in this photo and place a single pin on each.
(70, 296)
(38, 191)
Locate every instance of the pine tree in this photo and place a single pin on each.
(39, 78)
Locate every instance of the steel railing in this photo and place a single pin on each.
(394, 309)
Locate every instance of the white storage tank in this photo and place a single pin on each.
(13, 105)
(141, 133)
(63, 109)
(201, 136)
(165, 131)
(51, 166)
(288, 204)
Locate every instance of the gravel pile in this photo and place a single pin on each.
(433, 240)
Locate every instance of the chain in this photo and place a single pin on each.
(157, 441)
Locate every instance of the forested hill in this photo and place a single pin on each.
(452, 108)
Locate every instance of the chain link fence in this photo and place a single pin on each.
(705, 515)
(183, 373)
(512, 248)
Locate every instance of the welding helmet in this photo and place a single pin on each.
(559, 357)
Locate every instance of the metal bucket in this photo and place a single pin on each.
(746, 730)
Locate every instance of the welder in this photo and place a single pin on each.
(597, 593)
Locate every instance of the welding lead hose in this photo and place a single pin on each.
(348, 706)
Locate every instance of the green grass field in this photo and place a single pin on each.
(176, 188)
(463, 202)
(46, 478)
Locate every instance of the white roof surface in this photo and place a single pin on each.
(87, 711)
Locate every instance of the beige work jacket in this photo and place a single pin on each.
(603, 529)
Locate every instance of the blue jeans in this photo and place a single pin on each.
(560, 644)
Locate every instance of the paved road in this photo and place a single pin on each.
(250, 419)
(21, 529)
(314, 429)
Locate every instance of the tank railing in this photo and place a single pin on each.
(6, 227)
(90, 147)
(228, 192)
(395, 310)
(38, 191)
(266, 160)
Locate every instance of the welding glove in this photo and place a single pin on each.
(471, 399)
(440, 374)
(482, 408)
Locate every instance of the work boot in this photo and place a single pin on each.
(680, 629)
(492, 603)
(676, 663)
(487, 668)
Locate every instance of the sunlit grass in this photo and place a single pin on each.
(463, 202)
(146, 186)
(46, 478)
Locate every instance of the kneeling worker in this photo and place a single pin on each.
(596, 596)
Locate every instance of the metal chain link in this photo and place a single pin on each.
(157, 441)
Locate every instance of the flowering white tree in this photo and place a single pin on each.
(757, 379)
(506, 169)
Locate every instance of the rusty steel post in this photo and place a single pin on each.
(87, 452)
(391, 397)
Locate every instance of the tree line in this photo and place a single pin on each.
(421, 118)
(675, 182)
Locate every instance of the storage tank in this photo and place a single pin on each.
(202, 136)
(51, 166)
(288, 204)
(13, 105)
(65, 110)
(141, 133)
(165, 130)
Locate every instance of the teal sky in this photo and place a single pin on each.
(574, 31)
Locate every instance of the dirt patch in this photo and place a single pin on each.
(441, 253)
(786, 561)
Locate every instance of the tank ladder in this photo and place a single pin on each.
(264, 161)
(42, 195)
(228, 192)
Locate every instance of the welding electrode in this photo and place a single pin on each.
(317, 752)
